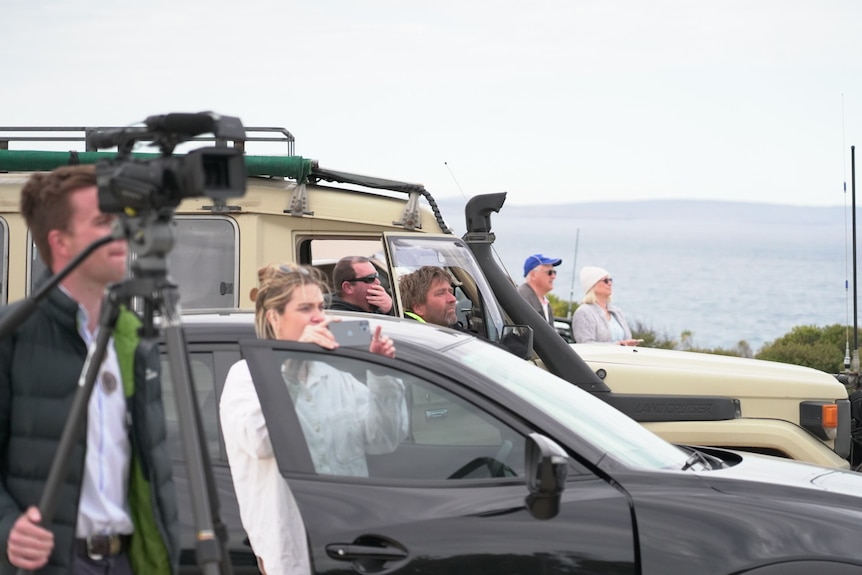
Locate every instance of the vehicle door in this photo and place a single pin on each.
(447, 495)
(209, 362)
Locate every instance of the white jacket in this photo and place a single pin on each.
(341, 418)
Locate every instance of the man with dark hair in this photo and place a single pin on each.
(357, 287)
(428, 296)
(117, 512)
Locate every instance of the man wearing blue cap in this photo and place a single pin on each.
(540, 273)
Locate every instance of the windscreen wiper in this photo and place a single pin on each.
(697, 456)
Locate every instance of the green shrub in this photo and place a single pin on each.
(822, 348)
(651, 337)
(560, 307)
(742, 348)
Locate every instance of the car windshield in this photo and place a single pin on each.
(613, 432)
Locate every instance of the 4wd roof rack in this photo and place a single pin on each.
(79, 134)
(302, 170)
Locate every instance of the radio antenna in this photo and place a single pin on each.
(574, 274)
(463, 195)
(851, 355)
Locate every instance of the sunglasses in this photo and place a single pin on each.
(552, 272)
(607, 281)
(366, 279)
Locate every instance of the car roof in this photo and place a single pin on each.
(234, 325)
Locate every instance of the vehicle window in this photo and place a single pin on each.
(361, 419)
(204, 262)
(36, 266)
(564, 328)
(324, 252)
(4, 253)
(410, 253)
(205, 389)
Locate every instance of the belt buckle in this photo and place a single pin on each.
(98, 546)
(91, 543)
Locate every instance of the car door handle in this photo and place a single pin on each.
(350, 552)
(440, 413)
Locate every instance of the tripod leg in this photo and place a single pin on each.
(210, 533)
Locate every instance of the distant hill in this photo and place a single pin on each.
(695, 210)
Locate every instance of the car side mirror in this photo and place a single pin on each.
(547, 466)
(518, 339)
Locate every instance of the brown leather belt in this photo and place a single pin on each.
(101, 546)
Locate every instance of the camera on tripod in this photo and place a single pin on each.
(131, 185)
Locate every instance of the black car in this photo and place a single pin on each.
(508, 469)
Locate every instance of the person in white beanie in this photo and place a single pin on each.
(596, 320)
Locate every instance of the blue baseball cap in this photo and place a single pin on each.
(539, 260)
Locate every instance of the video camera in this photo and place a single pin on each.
(131, 185)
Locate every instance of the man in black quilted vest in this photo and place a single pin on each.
(117, 510)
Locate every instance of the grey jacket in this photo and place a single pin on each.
(528, 294)
(589, 323)
(39, 368)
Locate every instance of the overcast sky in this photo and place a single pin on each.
(553, 101)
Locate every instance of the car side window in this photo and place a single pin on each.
(451, 438)
(364, 419)
(472, 290)
(4, 261)
(36, 266)
(204, 261)
(204, 381)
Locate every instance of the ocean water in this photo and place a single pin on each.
(724, 272)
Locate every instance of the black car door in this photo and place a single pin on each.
(446, 497)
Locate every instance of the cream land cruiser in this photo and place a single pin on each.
(296, 210)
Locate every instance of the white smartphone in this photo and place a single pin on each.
(352, 333)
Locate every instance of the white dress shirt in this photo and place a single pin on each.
(103, 507)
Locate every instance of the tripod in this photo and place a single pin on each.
(150, 238)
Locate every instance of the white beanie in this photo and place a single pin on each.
(590, 276)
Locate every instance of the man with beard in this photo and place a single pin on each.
(428, 297)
